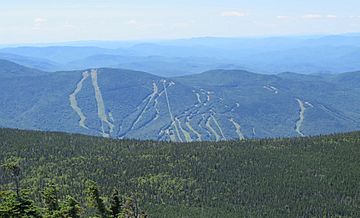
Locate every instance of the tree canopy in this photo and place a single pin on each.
(290, 177)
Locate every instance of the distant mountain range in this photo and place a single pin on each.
(214, 105)
(168, 58)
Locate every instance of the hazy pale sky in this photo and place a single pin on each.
(24, 21)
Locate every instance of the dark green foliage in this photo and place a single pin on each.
(12, 206)
(55, 208)
(71, 208)
(129, 209)
(291, 177)
(16, 204)
(115, 206)
(95, 199)
(51, 197)
(12, 166)
(20, 205)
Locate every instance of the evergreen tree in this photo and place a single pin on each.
(12, 166)
(15, 204)
(71, 208)
(130, 209)
(50, 195)
(95, 200)
(13, 207)
(115, 206)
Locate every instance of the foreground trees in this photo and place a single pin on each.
(296, 177)
(18, 203)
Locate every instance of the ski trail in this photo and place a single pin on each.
(300, 121)
(187, 123)
(238, 128)
(271, 89)
(208, 125)
(198, 97)
(156, 105)
(169, 108)
(128, 129)
(73, 102)
(185, 133)
(172, 138)
(156, 102)
(218, 126)
(151, 97)
(203, 120)
(101, 106)
(152, 100)
(167, 131)
(335, 113)
(172, 132)
(111, 117)
(309, 104)
(171, 135)
(167, 101)
(207, 95)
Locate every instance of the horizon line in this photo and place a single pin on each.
(134, 40)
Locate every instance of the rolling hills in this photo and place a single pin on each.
(169, 58)
(215, 105)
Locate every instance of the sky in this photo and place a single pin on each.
(43, 21)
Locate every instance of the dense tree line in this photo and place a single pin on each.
(291, 177)
(17, 203)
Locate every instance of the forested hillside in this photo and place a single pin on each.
(215, 105)
(295, 177)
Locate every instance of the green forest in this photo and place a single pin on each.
(46, 174)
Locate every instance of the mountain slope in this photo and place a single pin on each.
(37, 63)
(10, 69)
(276, 105)
(304, 177)
(215, 105)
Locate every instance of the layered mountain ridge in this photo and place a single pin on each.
(169, 58)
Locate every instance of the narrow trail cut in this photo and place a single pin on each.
(149, 99)
(237, 129)
(188, 124)
(173, 123)
(73, 101)
(101, 106)
(271, 89)
(300, 121)
(209, 127)
(218, 126)
(184, 132)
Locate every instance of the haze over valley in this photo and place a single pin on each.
(168, 58)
